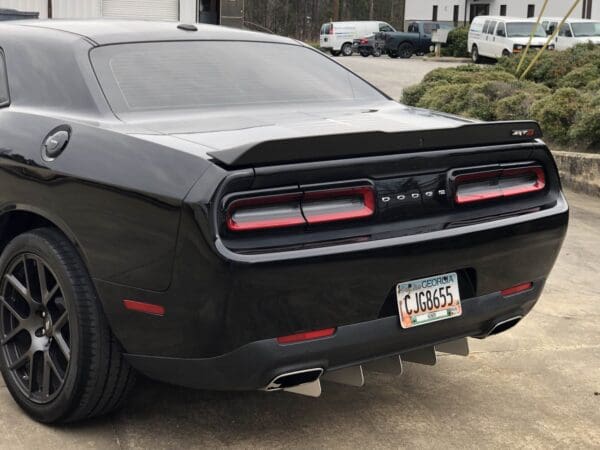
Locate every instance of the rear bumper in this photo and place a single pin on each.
(254, 365)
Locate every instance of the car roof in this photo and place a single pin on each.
(569, 20)
(104, 32)
(504, 19)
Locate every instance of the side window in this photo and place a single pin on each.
(4, 97)
(491, 27)
(385, 28)
(501, 31)
(565, 31)
(486, 26)
(427, 28)
(413, 28)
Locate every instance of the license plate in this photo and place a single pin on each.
(428, 300)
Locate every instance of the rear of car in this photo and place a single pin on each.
(357, 230)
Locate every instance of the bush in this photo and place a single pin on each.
(556, 113)
(561, 92)
(457, 43)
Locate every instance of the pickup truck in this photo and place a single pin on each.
(416, 40)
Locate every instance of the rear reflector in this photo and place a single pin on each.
(148, 308)
(307, 336)
(494, 184)
(313, 207)
(517, 289)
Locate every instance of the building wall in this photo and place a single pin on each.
(87, 9)
(423, 9)
(40, 6)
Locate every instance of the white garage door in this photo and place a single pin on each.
(141, 9)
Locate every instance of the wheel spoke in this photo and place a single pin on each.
(61, 322)
(62, 345)
(46, 297)
(22, 290)
(9, 337)
(26, 272)
(20, 361)
(10, 309)
(46, 375)
(41, 278)
(53, 367)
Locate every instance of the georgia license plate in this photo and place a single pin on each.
(428, 300)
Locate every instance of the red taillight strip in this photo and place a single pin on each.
(301, 208)
(148, 308)
(497, 190)
(306, 336)
(517, 289)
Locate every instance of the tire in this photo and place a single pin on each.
(506, 54)
(76, 369)
(347, 49)
(475, 55)
(393, 54)
(335, 52)
(405, 50)
(376, 52)
(365, 54)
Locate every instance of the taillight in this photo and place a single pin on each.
(494, 184)
(364, 41)
(302, 208)
(331, 29)
(262, 213)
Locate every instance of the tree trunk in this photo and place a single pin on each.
(372, 10)
(336, 10)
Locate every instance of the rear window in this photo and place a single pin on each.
(4, 98)
(209, 74)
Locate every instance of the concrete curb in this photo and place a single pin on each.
(579, 171)
(447, 59)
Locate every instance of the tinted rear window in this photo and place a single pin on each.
(4, 98)
(201, 74)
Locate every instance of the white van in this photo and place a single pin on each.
(337, 37)
(495, 37)
(573, 32)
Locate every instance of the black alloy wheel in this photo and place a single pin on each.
(34, 328)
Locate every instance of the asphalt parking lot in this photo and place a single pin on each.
(536, 386)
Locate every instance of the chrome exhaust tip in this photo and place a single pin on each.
(504, 325)
(304, 382)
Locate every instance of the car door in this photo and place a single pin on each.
(565, 38)
(490, 40)
(501, 41)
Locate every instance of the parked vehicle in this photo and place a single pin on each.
(416, 40)
(13, 14)
(372, 45)
(290, 229)
(497, 37)
(338, 37)
(573, 31)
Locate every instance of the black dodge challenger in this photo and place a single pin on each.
(230, 210)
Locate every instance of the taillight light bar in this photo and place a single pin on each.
(495, 184)
(302, 208)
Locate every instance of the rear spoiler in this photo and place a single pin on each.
(337, 146)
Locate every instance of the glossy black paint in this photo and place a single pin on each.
(143, 202)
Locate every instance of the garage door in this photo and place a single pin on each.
(141, 9)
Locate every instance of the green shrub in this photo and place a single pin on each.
(515, 107)
(412, 95)
(457, 43)
(580, 77)
(556, 113)
(593, 86)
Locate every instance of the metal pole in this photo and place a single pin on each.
(550, 39)
(537, 24)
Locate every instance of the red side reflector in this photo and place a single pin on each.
(148, 308)
(307, 336)
(494, 184)
(517, 289)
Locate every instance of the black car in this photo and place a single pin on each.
(371, 45)
(229, 210)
